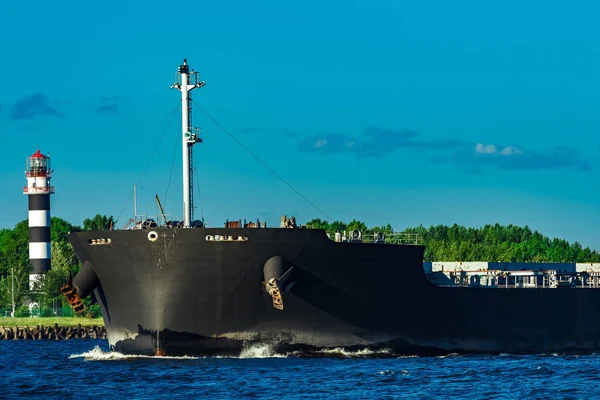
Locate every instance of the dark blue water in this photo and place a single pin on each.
(84, 369)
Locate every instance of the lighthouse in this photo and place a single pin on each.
(38, 191)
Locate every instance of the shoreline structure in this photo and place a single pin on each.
(52, 332)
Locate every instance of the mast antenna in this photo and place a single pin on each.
(186, 82)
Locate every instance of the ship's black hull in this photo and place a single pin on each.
(183, 295)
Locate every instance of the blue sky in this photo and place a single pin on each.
(386, 111)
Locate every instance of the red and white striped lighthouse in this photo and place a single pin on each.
(38, 191)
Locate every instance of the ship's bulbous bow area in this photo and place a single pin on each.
(276, 272)
(86, 280)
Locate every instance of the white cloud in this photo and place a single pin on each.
(320, 143)
(485, 148)
(511, 150)
(492, 149)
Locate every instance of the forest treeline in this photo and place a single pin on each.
(442, 243)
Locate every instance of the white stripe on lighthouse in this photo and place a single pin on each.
(39, 218)
(39, 250)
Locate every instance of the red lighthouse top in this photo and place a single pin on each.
(37, 154)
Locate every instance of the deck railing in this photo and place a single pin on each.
(399, 238)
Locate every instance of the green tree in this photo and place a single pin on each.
(17, 278)
(337, 226)
(63, 262)
(99, 223)
(59, 229)
(14, 255)
(361, 226)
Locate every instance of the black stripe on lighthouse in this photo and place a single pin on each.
(39, 233)
(39, 202)
(39, 266)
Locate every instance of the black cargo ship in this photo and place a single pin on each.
(188, 289)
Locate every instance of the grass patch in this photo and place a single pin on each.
(49, 321)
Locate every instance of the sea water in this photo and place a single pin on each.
(86, 369)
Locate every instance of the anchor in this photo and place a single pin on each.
(71, 295)
(276, 273)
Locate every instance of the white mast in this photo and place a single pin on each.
(187, 82)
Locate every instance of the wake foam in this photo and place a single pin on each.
(250, 351)
(340, 352)
(257, 350)
(97, 354)
(264, 350)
